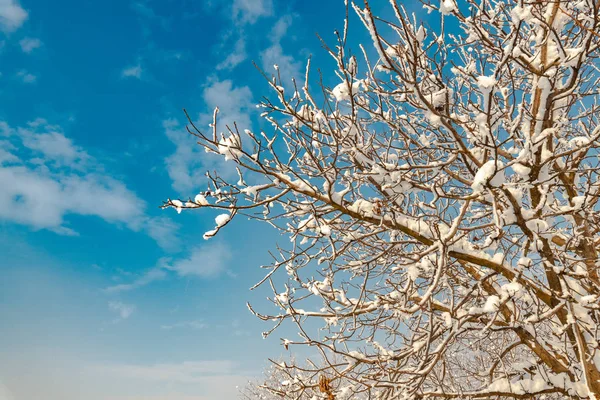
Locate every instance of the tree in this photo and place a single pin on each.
(441, 202)
(280, 378)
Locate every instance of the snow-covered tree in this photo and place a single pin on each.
(280, 376)
(441, 204)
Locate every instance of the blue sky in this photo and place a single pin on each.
(103, 295)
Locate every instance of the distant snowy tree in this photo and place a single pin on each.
(441, 202)
(281, 376)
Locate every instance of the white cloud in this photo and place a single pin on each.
(37, 198)
(49, 372)
(29, 44)
(12, 15)
(25, 76)
(123, 310)
(234, 103)
(52, 143)
(164, 231)
(152, 275)
(193, 380)
(185, 165)
(132, 72)
(188, 164)
(5, 129)
(147, 16)
(281, 27)
(195, 325)
(248, 11)
(185, 372)
(5, 394)
(207, 261)
(274, 55)
(234, 57)
(243, 12)
(45, 177)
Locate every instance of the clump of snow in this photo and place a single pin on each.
(537, 225)
(486, 83)
(488, 173)
(230, 147)
(200, 200)
(363, 207)
(222, 219)
(421, 34)
(447, 319)
(578, 202)
(282, 297)
(578, 142)
(519, 13)
(511, 289)
(325, 230)
(447, 6)
(524, 262)
(521, 170)
(207, 235)
(418, 345)
(178, 205)
(413, 272)
(355, 355)
(491, 304)
(341, 92)
(589, 299)
(438, 98)
(253, 190)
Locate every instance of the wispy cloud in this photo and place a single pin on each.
(164, 231)
(194, 380)
(152, 275)
(5, 394)
(196, 325)
(242, 13)
(132, 72)
(12, 15)
(185, 372)
(275, 55)
(25, 76)
(148, 17)
(187, 165)
(248, 11)
(46, 177)
(123, 310)
(29, 44)
(235, 57)
(51, 142)
(206, 261)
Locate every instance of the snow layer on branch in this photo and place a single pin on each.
(522, 386)
(207, 235)
(253, 190)
(341, 92)
(488, 173)
(519, 13)
(178, 205)
(230, 147)
(447, 6)
(438, 98)
(362, 207)
(200, 200)
(222, 219)
(486, 83)
(421, 34)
